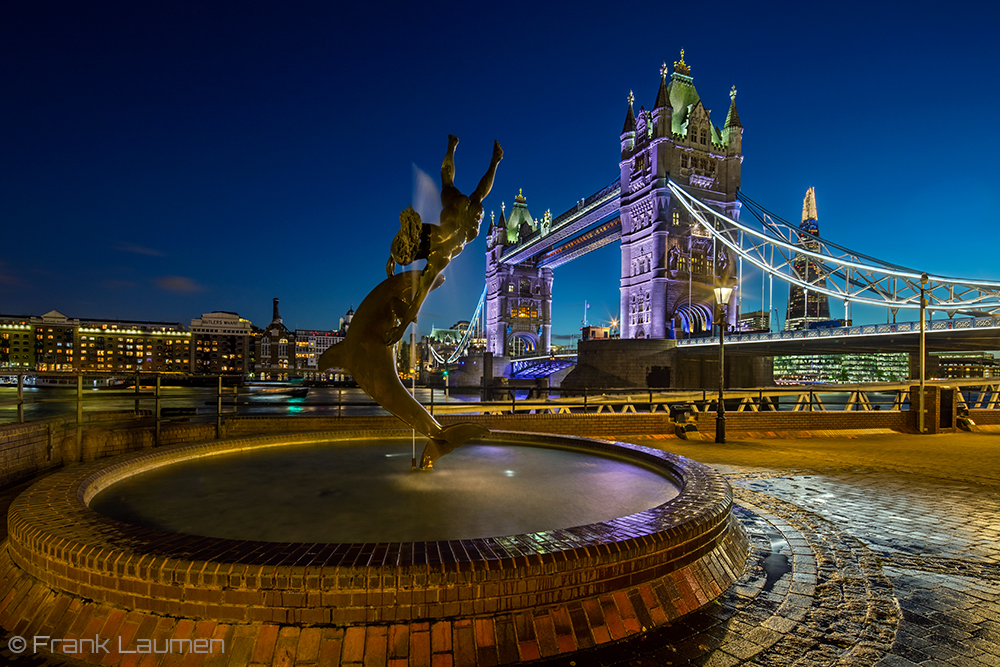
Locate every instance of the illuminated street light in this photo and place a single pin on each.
(923, 349)
(722, 296)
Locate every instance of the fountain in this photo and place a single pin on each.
(452, 564)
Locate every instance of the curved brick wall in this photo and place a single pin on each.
(596, 583)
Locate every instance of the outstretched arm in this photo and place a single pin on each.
(448, 164)
(486, 183)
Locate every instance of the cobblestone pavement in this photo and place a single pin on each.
(881, 550)
(890, 562)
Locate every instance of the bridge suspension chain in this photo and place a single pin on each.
(772, 244)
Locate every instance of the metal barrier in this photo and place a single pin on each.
(228, 401)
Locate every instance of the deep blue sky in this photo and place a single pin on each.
(164, 159)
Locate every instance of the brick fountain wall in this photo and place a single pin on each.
(70, 572)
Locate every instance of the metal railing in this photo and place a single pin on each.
(957, 323)
(228, 400)
(145, 389)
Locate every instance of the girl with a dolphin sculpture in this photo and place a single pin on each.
(381, 319)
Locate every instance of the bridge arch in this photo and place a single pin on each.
(520, 343)
(693, 318)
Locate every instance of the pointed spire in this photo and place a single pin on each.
(809, 206)
(502, 225)
(733, 117)
(630, 116)
(662, 99)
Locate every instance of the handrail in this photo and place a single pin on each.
(528, 399)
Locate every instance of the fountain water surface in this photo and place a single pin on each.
(363, 491)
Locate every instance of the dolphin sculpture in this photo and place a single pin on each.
(369, 356)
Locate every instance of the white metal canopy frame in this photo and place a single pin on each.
(771, 244)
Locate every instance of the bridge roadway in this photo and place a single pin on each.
(952, 335)
(594, 222)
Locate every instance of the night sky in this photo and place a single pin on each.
(164, 159)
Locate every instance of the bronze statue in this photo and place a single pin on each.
(368, 348)
(461, 217)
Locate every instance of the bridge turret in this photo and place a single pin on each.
(662, 111)
(502, 225)
(732, 133)
(520, 225)
(496, 235)
(628, 130)
(732, 136)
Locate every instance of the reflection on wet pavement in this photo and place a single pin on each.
(938, 543)
(858, 566)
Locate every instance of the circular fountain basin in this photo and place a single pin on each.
(563, 587)
(365, 491)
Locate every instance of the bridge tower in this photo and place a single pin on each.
(518, 296)
(669, 266)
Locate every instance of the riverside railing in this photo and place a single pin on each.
(214, 400)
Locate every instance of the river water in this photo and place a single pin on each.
(47, 402)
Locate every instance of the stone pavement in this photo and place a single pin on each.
(872, 550)
(877, 550)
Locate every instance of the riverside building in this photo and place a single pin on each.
(221, 343)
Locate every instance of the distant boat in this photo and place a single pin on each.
(294, 391)
(68, 381)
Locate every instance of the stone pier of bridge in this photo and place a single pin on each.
(658, 363)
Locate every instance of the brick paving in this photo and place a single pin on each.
(869, 550)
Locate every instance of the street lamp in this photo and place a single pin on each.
(722, 296)
(923, 350)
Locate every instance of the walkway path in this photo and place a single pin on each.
(874, 550)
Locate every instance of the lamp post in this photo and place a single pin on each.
(923, 349)
(722, 296)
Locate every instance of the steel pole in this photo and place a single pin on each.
(923, 349)
(79, 418)
(218, 409)
(156, 412)
(720, 416)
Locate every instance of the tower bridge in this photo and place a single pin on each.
(675, 206)
(668, 263)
